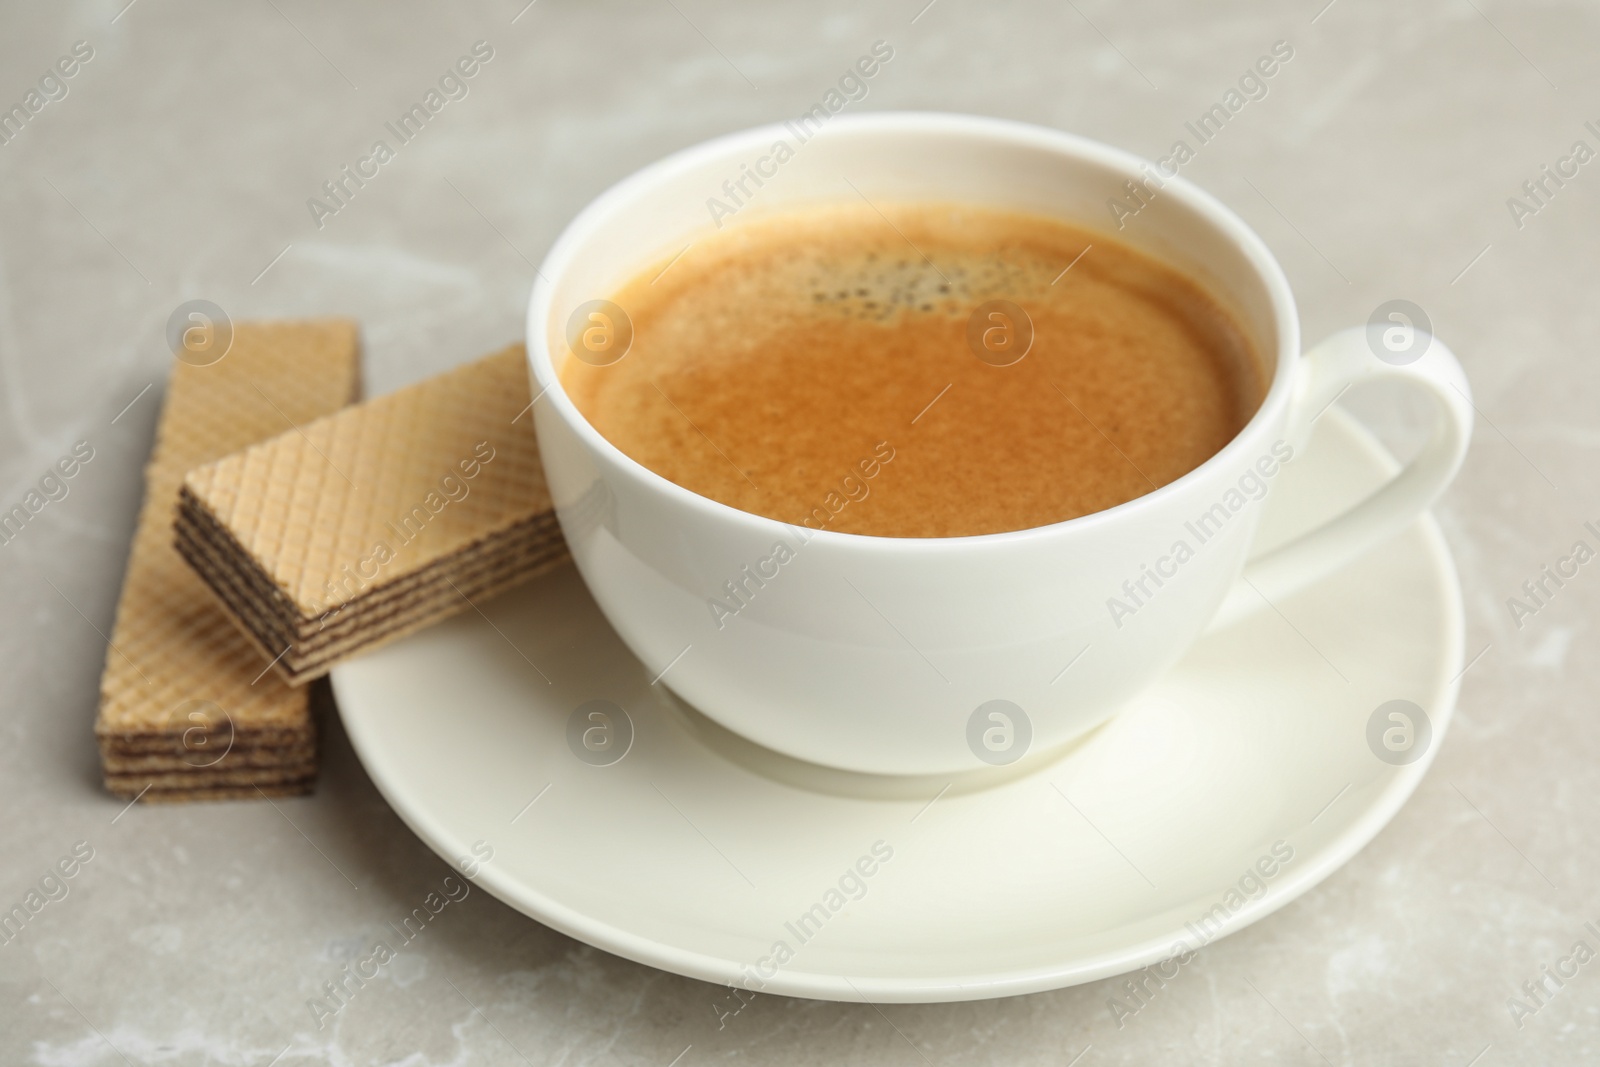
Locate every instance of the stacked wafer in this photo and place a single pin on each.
(187, 711)
(386, 517)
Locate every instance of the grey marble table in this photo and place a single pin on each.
(1387, 159)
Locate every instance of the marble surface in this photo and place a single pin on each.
(178, 164)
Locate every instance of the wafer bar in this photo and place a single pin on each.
(374, 522)
(179, 678)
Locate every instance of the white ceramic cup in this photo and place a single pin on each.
(906, 656)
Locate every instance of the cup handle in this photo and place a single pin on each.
(1339, 362)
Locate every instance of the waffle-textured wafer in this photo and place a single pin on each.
(180, 683)
(375, 521)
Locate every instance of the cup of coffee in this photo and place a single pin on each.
(886, 445)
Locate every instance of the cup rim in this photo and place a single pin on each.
(1222, 218)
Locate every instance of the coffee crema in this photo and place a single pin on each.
(822, 367)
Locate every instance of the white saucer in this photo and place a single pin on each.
(698, 852)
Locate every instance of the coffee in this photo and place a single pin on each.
(919, 370)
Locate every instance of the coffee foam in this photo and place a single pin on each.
(773, 356)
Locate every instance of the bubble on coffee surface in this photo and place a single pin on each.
(880, 288)
(861, 264)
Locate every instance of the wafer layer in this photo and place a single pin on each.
(200, 760)
(176, 671)
(440, 591)
(233, 792)
(460, 573)
(213, 778)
